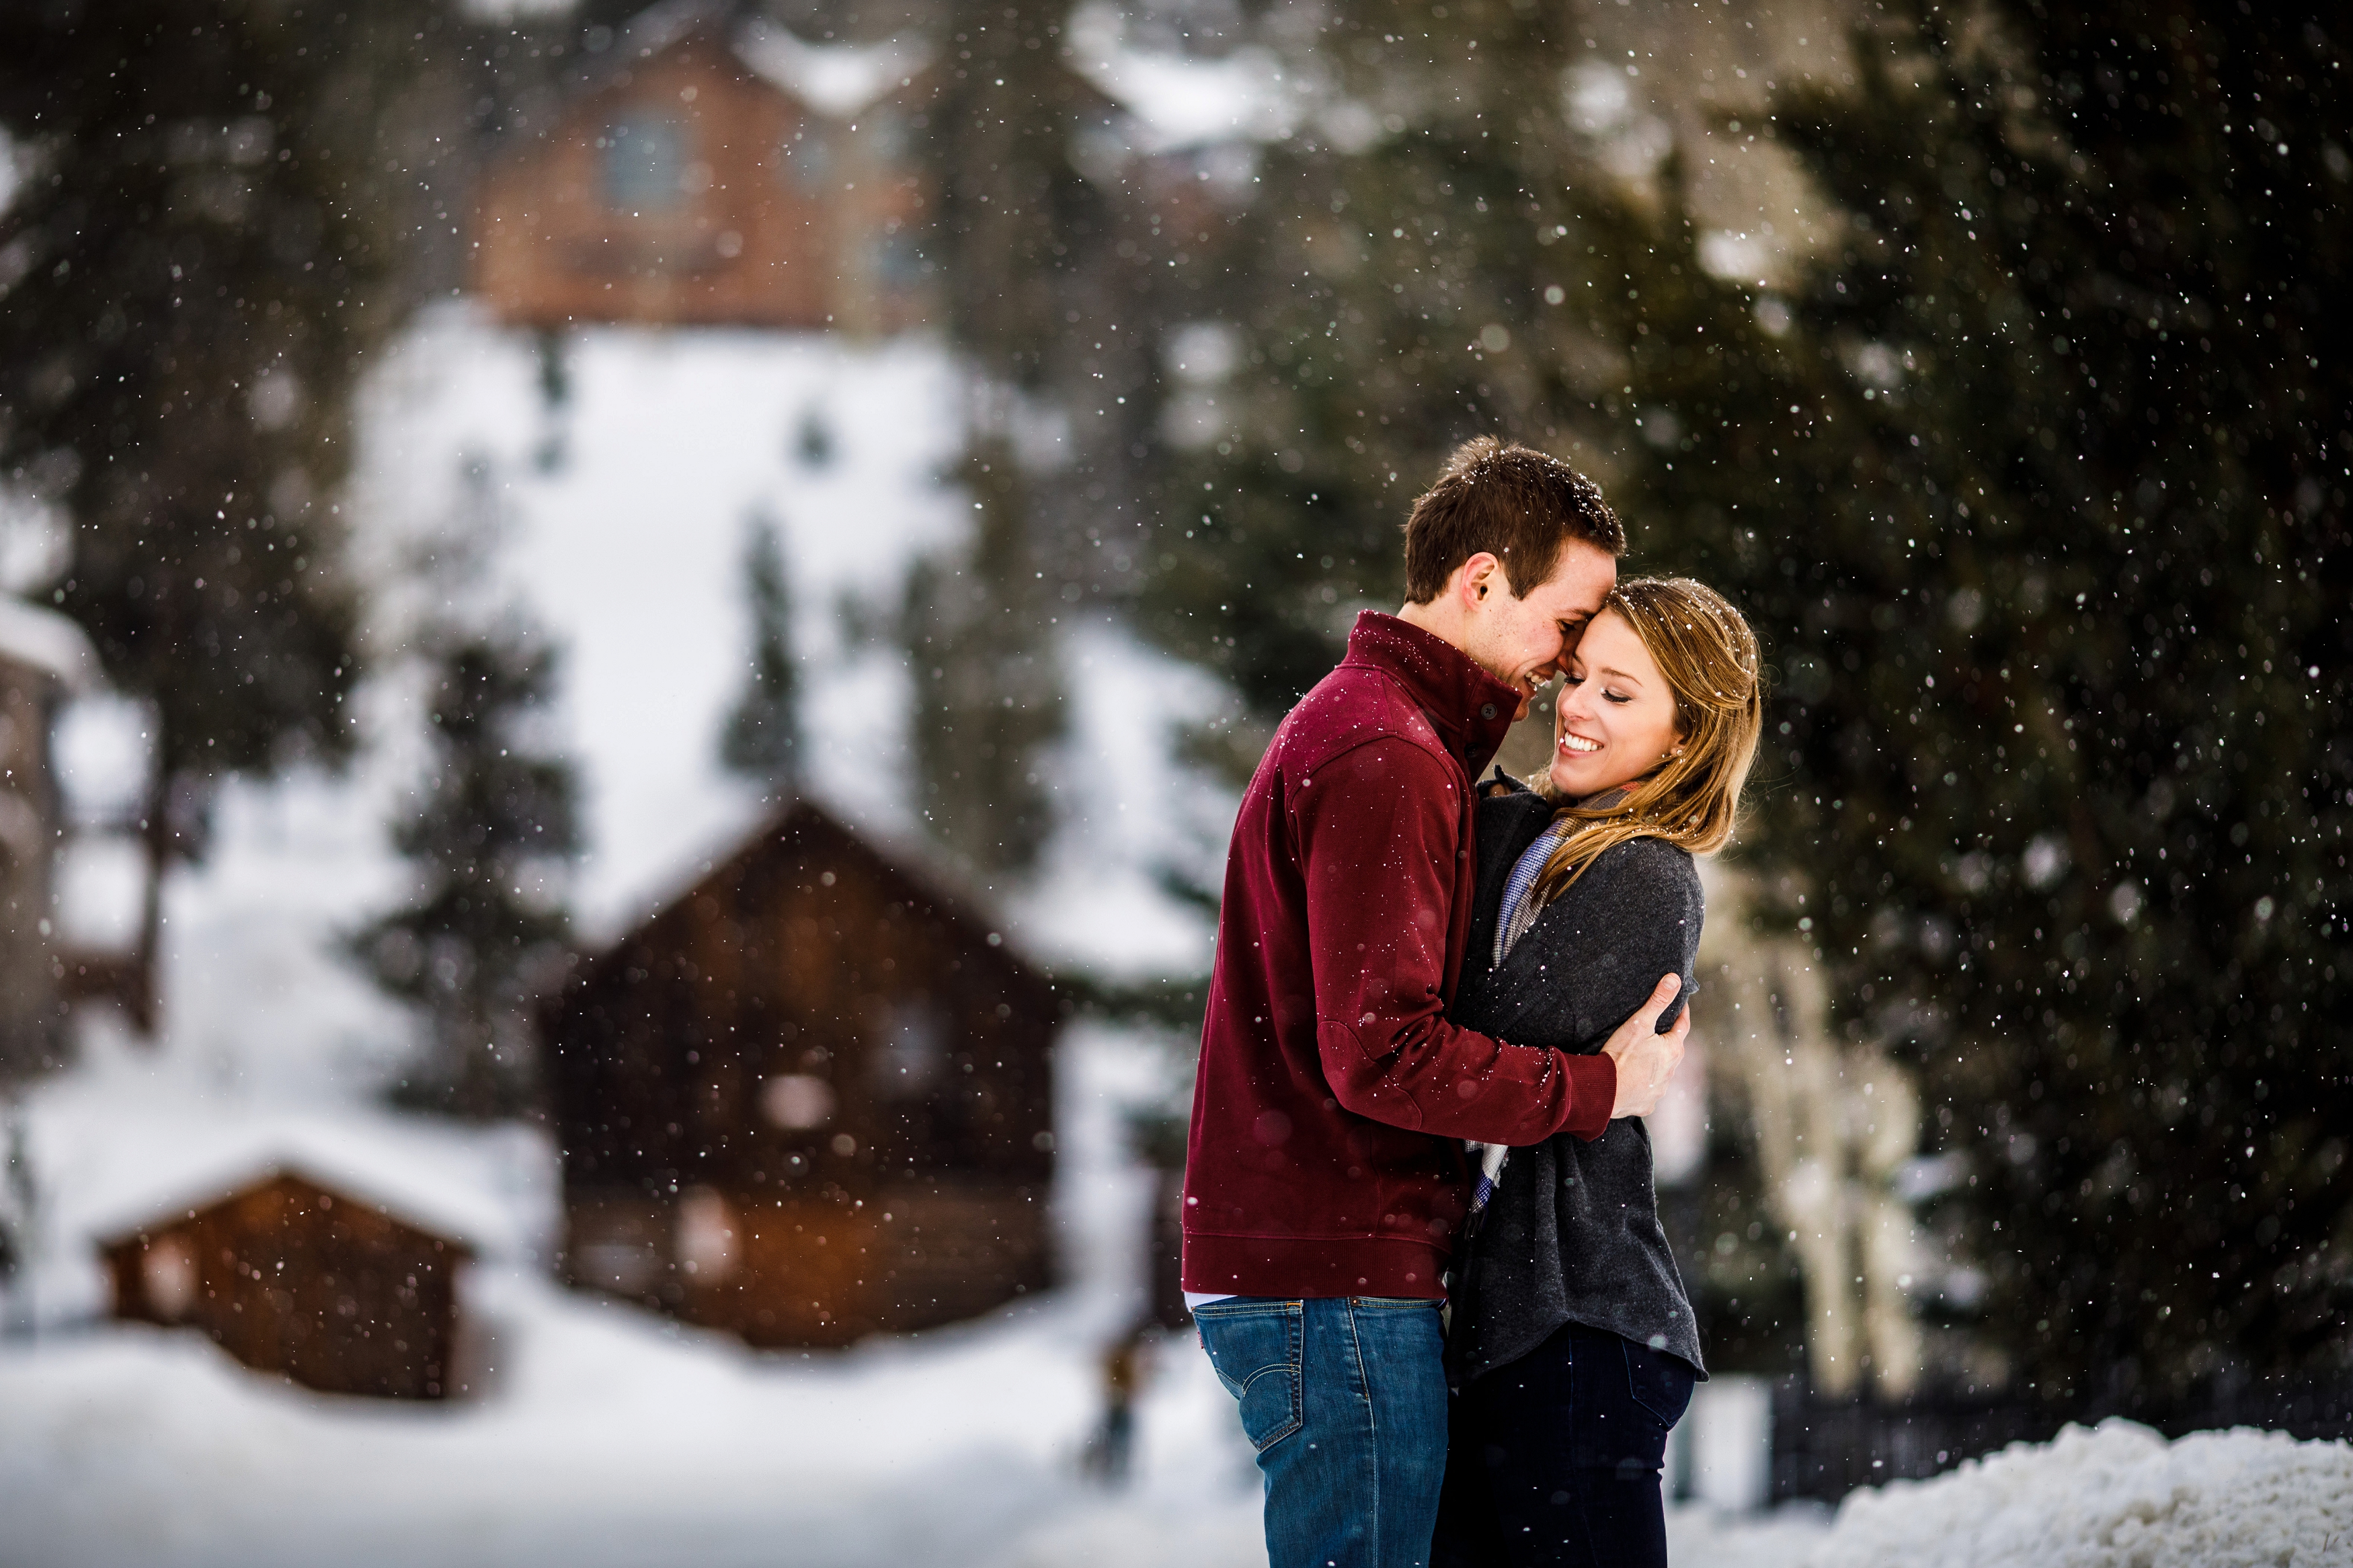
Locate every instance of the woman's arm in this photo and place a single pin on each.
(1634, 916)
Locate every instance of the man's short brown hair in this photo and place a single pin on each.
(1517, 504)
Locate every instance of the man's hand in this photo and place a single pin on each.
(1645, 1058)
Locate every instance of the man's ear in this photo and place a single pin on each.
(1481, 574)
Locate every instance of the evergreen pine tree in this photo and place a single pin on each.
(762, 740)
(1021, 246)
(979, 632)
(2037, 485)
(813, 447)
(499, 819)
(1393, 283)
(203, 244)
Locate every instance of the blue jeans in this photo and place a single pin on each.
(1555, 1458)
(1345, 1400)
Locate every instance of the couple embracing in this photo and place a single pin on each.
(1422, 1243)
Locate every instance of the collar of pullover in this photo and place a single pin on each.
(1469, 709)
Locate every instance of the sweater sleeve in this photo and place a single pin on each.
(1379, 844)
(1645, 909)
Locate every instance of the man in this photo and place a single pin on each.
(1324, 1176)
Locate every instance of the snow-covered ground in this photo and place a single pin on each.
(606, 1435)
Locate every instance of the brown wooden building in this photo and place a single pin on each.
(291, 1273)
(809, 1100)
(710, 168)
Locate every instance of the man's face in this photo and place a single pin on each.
(1523, 641)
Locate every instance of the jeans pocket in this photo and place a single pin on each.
(1254, 1347)
(1659, 1382)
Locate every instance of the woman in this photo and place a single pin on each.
(1573, 1349)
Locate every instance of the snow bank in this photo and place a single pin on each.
(2117, 1496)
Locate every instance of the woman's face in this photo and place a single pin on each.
(1615, 720)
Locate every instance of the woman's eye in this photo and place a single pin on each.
(1617, 697)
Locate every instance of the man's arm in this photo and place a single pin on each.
(1378, 839)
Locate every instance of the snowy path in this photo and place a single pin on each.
(616, 1440)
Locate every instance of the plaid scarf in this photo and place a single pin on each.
(1521, 905)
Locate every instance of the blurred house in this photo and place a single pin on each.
(712, 169)
(43, 659)
(809, 1100)
(343, 1280)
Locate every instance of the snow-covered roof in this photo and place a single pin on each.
(657, 27)
(838, 80)
(955, 897)
(345, 1155)
(49, 641)
(1183, 102)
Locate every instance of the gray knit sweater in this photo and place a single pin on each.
(1572, 1234)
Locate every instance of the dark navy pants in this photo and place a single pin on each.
(1554, 1458)
(1345, 1400)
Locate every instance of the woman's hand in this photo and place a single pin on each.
(1645, 1058)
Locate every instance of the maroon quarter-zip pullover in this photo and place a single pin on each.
(1332, 1091)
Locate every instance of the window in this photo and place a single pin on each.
(706, 1236)
(644, 164)
(898, 260)
(797, 1101)
(805, 160)
(168, 1270)
(913, 1049)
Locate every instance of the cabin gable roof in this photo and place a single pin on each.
(800, 826)
(400, 1215)
(345, 1165)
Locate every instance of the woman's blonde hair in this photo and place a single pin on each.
(1708, 656)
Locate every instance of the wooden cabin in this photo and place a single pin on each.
(291, 1272)
(710, 168)
(809, 1100)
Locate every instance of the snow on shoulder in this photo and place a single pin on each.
(2115, 1496)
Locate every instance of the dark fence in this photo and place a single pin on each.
(1825, 1448)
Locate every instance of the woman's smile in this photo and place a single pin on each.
(1615, 720)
